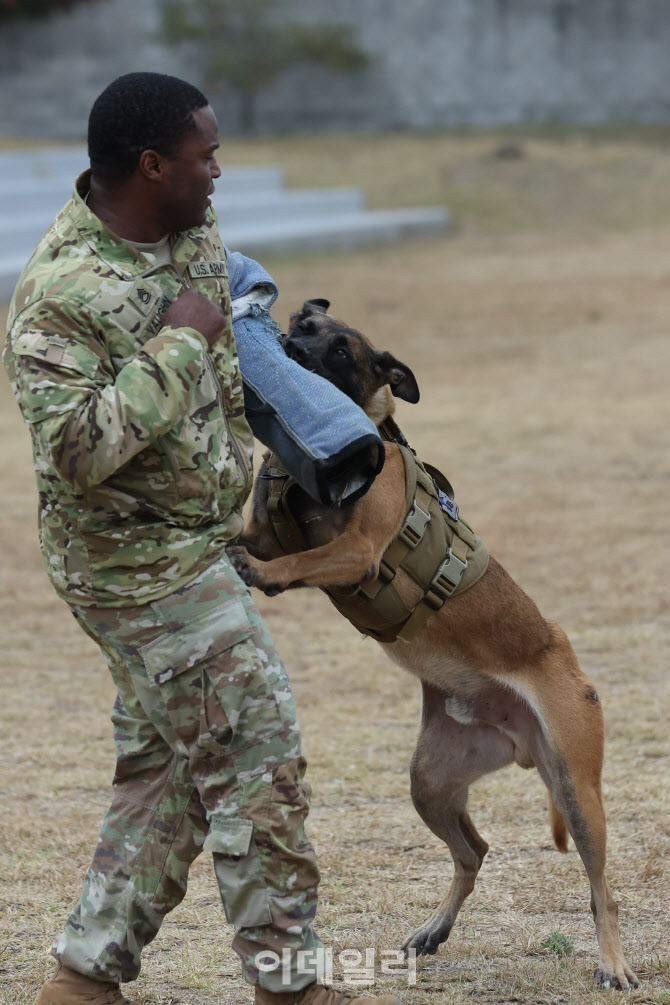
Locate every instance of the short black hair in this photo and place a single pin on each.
(137, 112)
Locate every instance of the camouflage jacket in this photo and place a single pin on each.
(142, 450)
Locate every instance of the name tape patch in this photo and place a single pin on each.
(200, 270)
(156, 322)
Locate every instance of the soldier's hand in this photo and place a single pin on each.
(193, 310)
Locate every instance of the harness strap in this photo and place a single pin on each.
(438, 591)
(376, 608)
(283, 522)
(421, 507)
(417, 507)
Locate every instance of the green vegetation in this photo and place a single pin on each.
(558, 944)
(250, 45)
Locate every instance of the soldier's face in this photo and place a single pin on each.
(189, 181)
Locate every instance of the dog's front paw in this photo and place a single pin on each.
(242, 561)
(250, 570)
(425, 941)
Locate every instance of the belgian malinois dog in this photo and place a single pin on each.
(500, 683)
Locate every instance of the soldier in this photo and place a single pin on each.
(122, 357)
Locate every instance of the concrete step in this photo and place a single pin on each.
(11, 267)
(236, 209)
(344, 232)
(32, 198)
(60, 166)
(49, 195)
(43, 164)
(257, 215)
(348, 231)
(24, 227)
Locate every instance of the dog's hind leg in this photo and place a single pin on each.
(570, 758)
(451, 754)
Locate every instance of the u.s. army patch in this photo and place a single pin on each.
(201, 270)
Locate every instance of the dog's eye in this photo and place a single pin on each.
(341, 352)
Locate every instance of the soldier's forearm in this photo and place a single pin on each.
(107, 426)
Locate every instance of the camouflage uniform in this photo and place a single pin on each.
(143, 462)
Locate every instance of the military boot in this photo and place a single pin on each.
(67, 987)
(318, 994)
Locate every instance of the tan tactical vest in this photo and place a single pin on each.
(435, 546)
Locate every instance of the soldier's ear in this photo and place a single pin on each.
(316, 306)
(153, 166)
(399, 377)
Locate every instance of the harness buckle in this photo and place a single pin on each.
(445, 581)
(414, 526)
(386, 572)
(274, 503)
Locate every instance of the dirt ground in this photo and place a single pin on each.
(543, 362)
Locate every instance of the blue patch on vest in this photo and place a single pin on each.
(447, 505)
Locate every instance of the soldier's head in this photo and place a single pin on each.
(156, 136)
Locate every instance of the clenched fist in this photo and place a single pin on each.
(193, 310)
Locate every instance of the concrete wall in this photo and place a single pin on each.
(52, 70)
(436, 63)
(449, 62)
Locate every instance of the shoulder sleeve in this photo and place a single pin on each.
(88, 419)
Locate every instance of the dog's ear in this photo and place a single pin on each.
(398, 376)
(316, 306)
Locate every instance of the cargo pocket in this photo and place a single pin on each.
(209, 671)
(239, 874)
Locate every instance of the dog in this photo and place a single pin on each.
(500, 683)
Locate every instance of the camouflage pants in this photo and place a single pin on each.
(208, 758)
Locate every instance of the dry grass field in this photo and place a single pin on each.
(540, 337)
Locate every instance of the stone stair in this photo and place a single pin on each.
(257, 214)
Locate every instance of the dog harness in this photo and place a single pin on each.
(434, 546)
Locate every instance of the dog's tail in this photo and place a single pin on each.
(559, 829)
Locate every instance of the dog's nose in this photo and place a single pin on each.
(295, 351)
